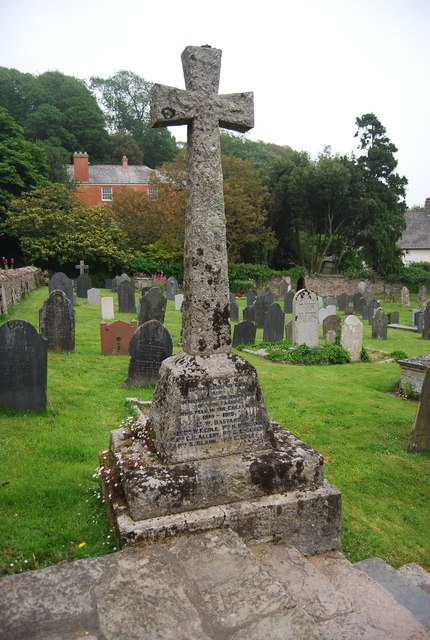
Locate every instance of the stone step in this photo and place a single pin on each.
(344, 602)
(419, 576)
(401, 587)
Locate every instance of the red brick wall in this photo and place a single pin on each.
(91, 194)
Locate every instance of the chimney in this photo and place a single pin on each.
(80, 167)
(427, 205)
(124, 162)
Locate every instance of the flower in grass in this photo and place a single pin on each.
(81, 545)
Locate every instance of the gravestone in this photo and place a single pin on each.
(234, 312)
(394, 317)
(82, 267)
(260, 311)
(289, 330)
(274, 324)
(115, 337)
(60, 281)
(114, 285)
(179, 301)
(322, 314)
(422, 295)
(172, 288)
(214, 446)
(249, 313)
(305, 318)
(83, 283)
(361, 288)
(57, 322)
(379, 324)
(124, 277)
(426, 324)
(373, 305)
(232, 298)
(269, 299)
(331, 323)
(419, 440)
(126, 300)
(365, 312)
(351, 337)
(330, 337)
(3, 301)
(24, 366)
(358, 302)
(419, 321)
(284, 286)
(107, 308)
(301, 283)
(244, 333)
(152, 306)
(108, 283)
(405, 302)
(343, 301)
(288, 301)
(331, 301)
(150, 344)
(250, 298)
(93, 296)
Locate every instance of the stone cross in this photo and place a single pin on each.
(206, 311)
(81, 266)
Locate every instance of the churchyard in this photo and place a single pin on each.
(51, 504)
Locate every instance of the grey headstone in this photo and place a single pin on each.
(108, 283)
(234, 311)
(331, 323)
(288, 301)
(83, 283)
(179, 301)
(274, 324)
(126, 299)
(419, 439)
(150, 345)
(250, 298)
(379, 325)
(322, 314)
(358, 301)
(152, 306)
(331, 301)
(269, 299)
(342, 301)
(330, 337)
(405, 302)
(301, 284)
(419, 321)
(60, 281)
(114, 285)
(232, 298)
(244, 333)
(351, 337)
(249, 313)
(3, 301)
(284, 286)
(57, 322)
(124, 277)
(107, 308)
(172, 288)
(260, 311)
(394, 317)
(373, 305)
(422, 295)
(362, 286)
(426, 324)
(289, 330)
(305, 318)
(365, 312)
(23, 371)
(93, 296)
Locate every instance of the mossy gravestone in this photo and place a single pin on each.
(57, 322)
(419, 439)
(209, 455)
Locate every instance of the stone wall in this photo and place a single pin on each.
(334, 285)
(16, 283)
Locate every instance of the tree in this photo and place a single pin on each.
(384, 197)
(124, 98)
(55, 230)
(263, 154)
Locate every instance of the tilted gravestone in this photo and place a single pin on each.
(57, 322)
(305, 318)
(126, 299)
(24, 366)
(150, 344)
(244, 333)
(419, 440)
(93, 296)
(107, 308)
(115, 337)
(215, 444)
(172, 288)
(274, 324)
(152, 306)
(83, 283)
(288, 301)
(351, 337)
(426, 324)
(249, 313)
(379, 324)
(62, 282)
(250, 298)
(331, 323)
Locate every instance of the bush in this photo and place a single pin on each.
(415, 275)
(259, 273)
(328, 354)
(242, 286)
(151, 266)
(398, 355)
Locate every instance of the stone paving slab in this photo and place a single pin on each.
(419, 576)
(206, 587)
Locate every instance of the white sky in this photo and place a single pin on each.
(313, 65)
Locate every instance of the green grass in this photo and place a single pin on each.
(50, 503)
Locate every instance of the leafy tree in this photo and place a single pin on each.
(124, 98)
(384, 196)
(261, 153)
(121, 144)
(55, 230)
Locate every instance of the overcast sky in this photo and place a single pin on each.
(313, 65)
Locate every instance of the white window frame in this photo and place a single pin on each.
(106, 194)
(152, 193)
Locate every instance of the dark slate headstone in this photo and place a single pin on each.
(232, 298)
(426, 325)
(250, 298)
(249, 313)
(419, 440)
(152, 306)
(60, 281)
(373, 305)
(342, 301)
(288, 301)
(108, 283)
(365, 312)
(126, 300)
(358, 301)
(244, 333)
(379, 325)
(289, 330)
(24, 366)
(57, 322)
(114, 285)
(124, 277)
(234, 311)
(172, 288)
(269, 299)
(83, 283)
(301, 283)
(150, 345)
(394, 317)
(331, 323)
(331, 300)
(419, 321)
(274, 324)
(260, 311)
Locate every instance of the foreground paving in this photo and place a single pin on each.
(203, 586)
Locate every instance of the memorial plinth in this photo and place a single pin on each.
(206, 453)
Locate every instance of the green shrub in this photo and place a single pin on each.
(328, 354)
(145, 264)
(242, 286)
(415, 275)
(260, 273)
(398, 355)
(364, 356)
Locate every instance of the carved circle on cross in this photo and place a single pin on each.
(168, 113)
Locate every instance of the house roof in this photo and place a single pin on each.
(116, 174)
(417, 232)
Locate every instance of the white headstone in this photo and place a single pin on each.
(93, 296)
(331, 308)
(305, 318)
(351, 337)
(179, 299)
(322, 314)
(107, 309)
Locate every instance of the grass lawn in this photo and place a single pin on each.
(50, 503)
